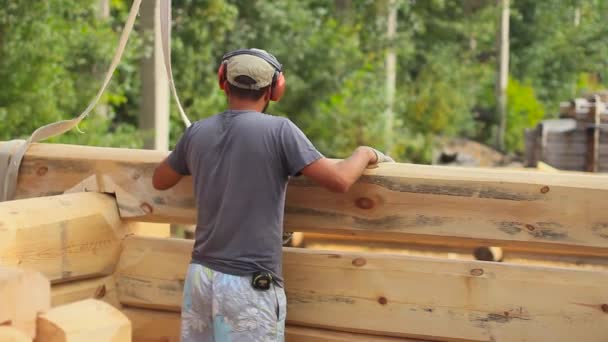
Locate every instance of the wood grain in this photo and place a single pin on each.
(562, 213)
(23, 294)
(88, 320)
(102, 288)
(414, 297)
(162, 326)
(64, 237)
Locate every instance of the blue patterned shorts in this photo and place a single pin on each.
(220, 307)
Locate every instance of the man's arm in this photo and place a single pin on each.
(340, 176)
(164, 176)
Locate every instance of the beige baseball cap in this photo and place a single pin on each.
(248, 65)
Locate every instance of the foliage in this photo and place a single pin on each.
(53, 54)
(523, 110)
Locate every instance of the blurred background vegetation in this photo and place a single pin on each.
(53, 55)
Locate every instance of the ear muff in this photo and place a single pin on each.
(221, 75)
(278, 85)
(278, 88)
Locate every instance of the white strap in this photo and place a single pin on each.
(165, 29)
(8, 183)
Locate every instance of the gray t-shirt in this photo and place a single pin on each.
(240, 162)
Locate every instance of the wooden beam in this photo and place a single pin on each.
(10, 334)
(561, 212)
(87, 320)
(429, 298)
(64, 237)
(451, 251)
(153, 325)
(145, 258)
(23, 294)
(148, 229)
(444, 299)
(306, 334)
(162, 326)
(102, 288)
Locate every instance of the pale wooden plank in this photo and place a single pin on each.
(10, 334)
(150, 229)
(88, 320)
(64, 237)
(102, 288)
(387, 294)
(23, 294)
(153, 325)
(559, 212)
(445, 299)
(306, 334)
(163, 326)
(462, 252)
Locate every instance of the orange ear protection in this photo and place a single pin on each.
(277, 87)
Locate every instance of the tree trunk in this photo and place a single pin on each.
(503, 73)
(391, 66)
(154, 112)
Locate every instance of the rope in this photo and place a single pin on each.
(165, 29)
(12, 152)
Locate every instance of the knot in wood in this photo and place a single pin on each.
(382, 300)
(135, 176)
(100, 292)
(530, 227)
(364, 203)
(359, 262)
(477, 272)
(147, 208)
(544, 189)
(605, 308)
(42, 171)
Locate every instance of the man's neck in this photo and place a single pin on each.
(247, 105)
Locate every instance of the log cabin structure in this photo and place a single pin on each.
(82, 257)
(575, 141)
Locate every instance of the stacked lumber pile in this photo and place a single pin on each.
(84, 244)
(577, 141)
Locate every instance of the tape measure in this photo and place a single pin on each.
(261, 280)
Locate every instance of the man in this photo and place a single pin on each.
(241, 161)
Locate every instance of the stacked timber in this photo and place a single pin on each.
(26, 313)
(86, 246)
(577, 141)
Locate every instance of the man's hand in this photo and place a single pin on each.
(380, 158)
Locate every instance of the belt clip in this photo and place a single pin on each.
(261, 280)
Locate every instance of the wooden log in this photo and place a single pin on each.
(150, 229)
(559, 212)
(102, 288)
(306, 334)
(511, 255)
(145, 258)
(64, 237)
(10, 334)
(153, 325)
(87, 320)
(23, 294)
(403, 296)
(51, 169)
(162, 326)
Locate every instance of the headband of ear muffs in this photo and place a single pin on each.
(277, 87)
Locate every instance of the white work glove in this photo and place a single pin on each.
(380, 158)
